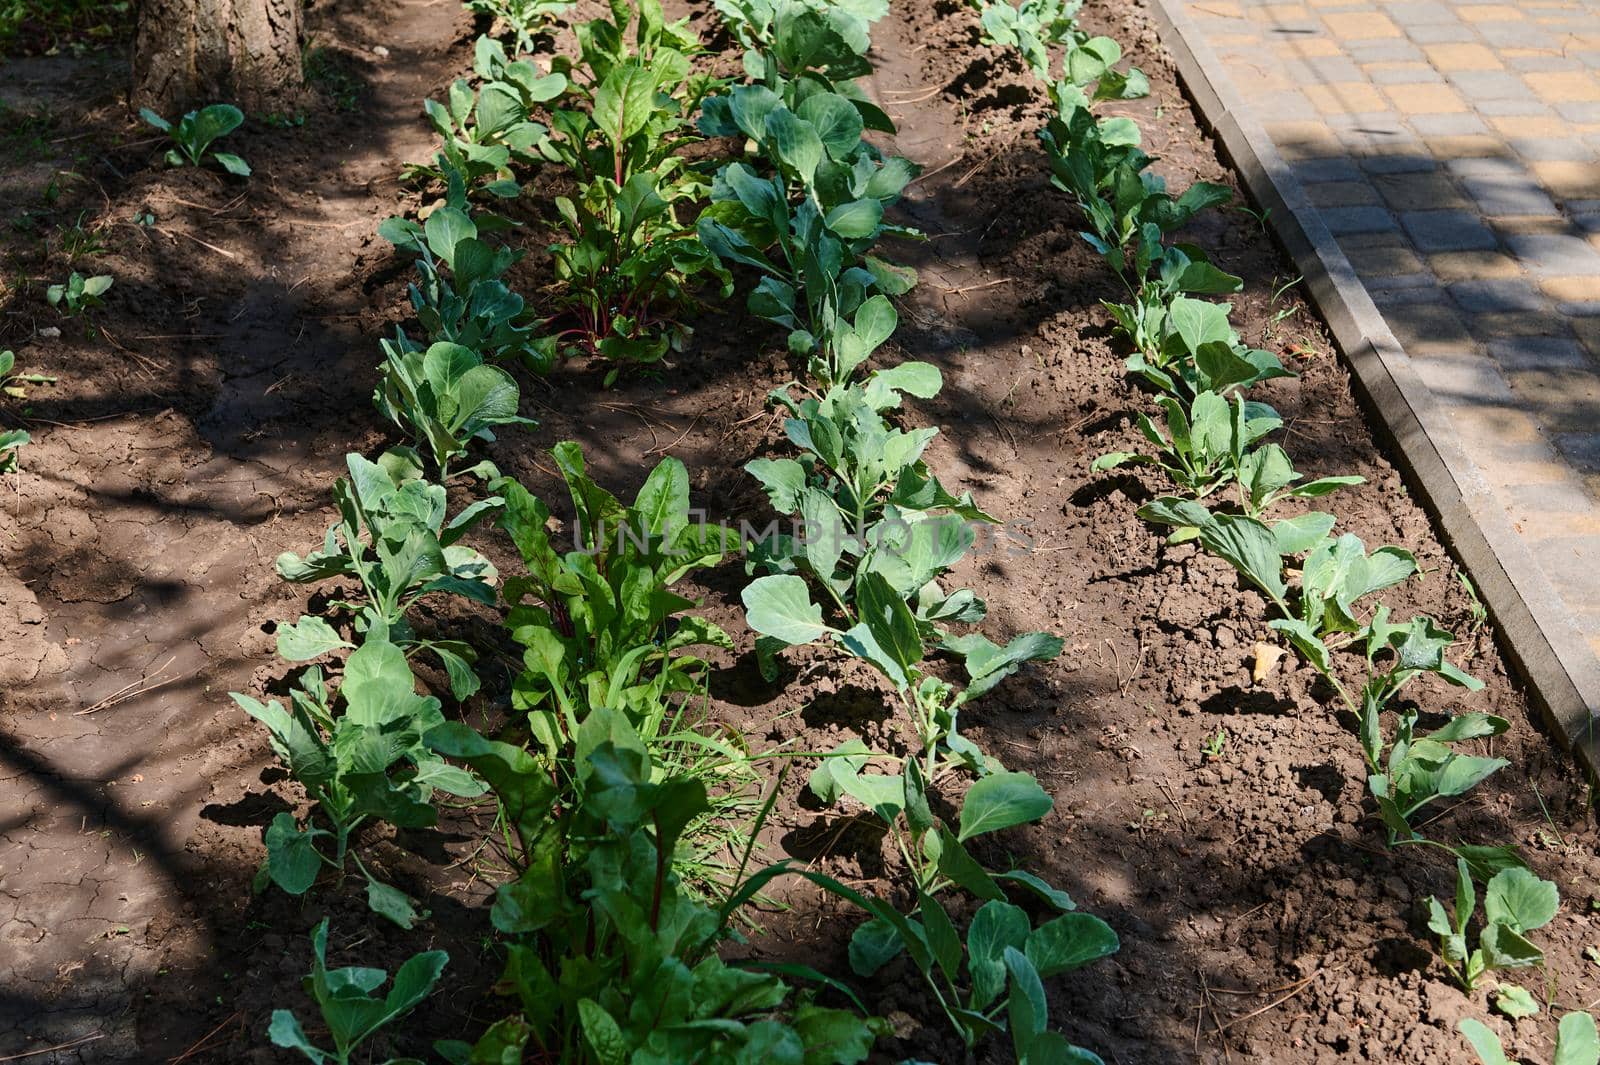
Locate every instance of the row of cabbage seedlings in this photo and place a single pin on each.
(1210, 441)
(611, 927)
(867, 571)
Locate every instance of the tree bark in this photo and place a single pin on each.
(189, 53)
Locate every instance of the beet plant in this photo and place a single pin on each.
(602, 618)
(631, 260)
(608, 958)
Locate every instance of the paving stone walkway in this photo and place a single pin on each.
(1453, 148)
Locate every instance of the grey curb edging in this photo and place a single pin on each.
(1562, 674)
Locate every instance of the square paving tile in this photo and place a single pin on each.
(1341, 193)
(1429, 328)
(1419, 192)
(1555, 255)
(1368, 219)
(1380, 255)
(1517, 194)
(1431, 126)
(1480, 84)
(1447, 230)
(1502, 294)
(1540, 353)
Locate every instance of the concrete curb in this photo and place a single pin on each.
(1562, 674)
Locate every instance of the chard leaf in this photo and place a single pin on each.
(663, 501)
(602, 1033)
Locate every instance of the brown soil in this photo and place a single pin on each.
(199, 424)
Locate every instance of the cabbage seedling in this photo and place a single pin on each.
(1515, 902)
(350, 1009)
(11, 384)
(194, 133)
(78, 293)
(359, 754)
(393, 538)
(1577, 1041)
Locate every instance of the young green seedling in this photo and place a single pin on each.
(1204, 447)
(194, 133)
(14, 385)
(78, 293)
(795, 48)
(461, 295)
(988, 982)
(819, 280)
(527, 20)
(1577, 1041)
(348, 1004)
(393, 538)
(1515, 902)
(446, 398)
(359, 754)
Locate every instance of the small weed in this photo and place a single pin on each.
(1475, 608)
(1260, 217)
(45, 27)
(330, 72)
(1216, 745)
(24, 135)
(1148, 821)
(78, 242)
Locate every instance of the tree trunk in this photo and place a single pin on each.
(189, 53)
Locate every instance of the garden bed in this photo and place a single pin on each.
(1217, 821)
